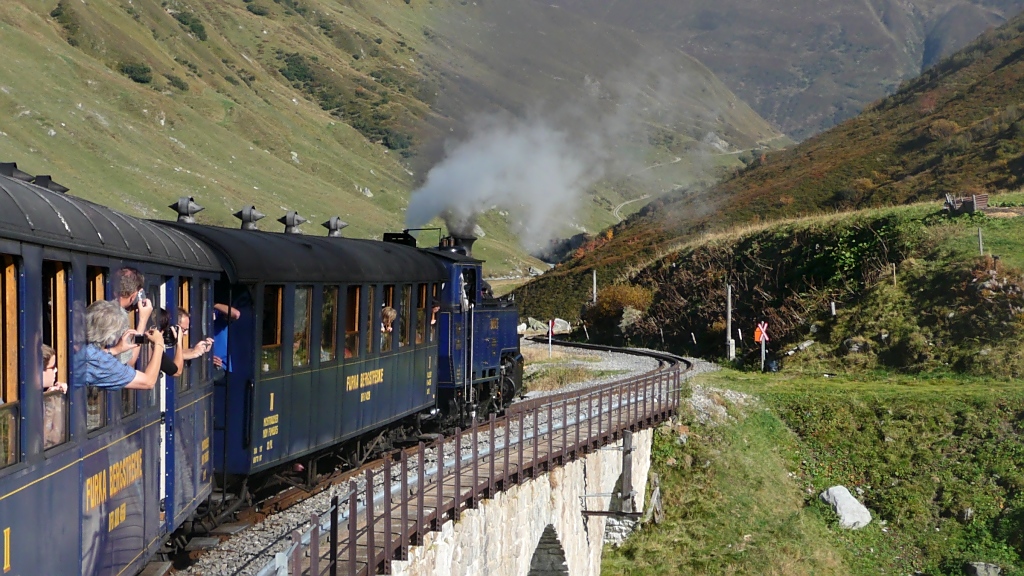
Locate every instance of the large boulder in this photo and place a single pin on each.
(537, 324)
(852, 514)
(981, 569)
(562, 326)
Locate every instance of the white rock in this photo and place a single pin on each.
(852, 514)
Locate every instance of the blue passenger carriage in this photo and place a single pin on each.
(309, 367)
(91, 482)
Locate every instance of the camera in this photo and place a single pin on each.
(140, 339)
(170, 337)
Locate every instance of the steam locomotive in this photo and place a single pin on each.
(310, 365)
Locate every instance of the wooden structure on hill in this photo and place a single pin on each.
(963, 205)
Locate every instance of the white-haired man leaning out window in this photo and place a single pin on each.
(108, 334)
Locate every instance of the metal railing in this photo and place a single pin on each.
(417, 491)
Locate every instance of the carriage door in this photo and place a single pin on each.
(160, 301)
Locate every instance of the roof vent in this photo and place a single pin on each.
(249, 215)
(186, 209)
(334, 226)
(291, 222)
(10, 169)
(44, 181)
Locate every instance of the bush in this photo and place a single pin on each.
(177, 82)
(192, 23)
(942, 129)
(613, 300)
(137, 71)
(258, 9)
(68, 21)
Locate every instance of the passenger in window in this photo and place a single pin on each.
(387, 319)
(107, 335)
(132, 297)
(223, 315)
(50, 371)
(54, 418)
(201, 347)
(434, 309)
(171, 339)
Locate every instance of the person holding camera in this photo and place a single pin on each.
(172, 339)
(108, 335)
(131, 296)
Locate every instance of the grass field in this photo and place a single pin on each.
(935, 459)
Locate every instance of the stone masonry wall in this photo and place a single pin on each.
(501, 536)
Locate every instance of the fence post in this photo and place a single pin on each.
(440, 484)
(333, 568)
(600, 418)
(422, 488)
(508, 454)
(476, 463)
(314, 545)
(536, 430)
(353, 524)
(404, 541)
(494, 453)
(389, 552)
(576, 443)
(371, 545)
(296, 553)
(456, 507)
(551, 437)
(519, 467)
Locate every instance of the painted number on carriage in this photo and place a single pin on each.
(7, 550)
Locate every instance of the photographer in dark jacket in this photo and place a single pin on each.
(172, 339)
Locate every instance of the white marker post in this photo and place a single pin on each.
(761, 335)
(551, 333)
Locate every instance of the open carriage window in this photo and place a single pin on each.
(434, 300)
(55, 353)
(271, 352)
(185, 307)
(329, 324)
(405, 316)
(372, 319)
(9, 441)
(300, 331)
(421, 313)
(352, 322)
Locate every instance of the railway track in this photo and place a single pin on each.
(527, 421)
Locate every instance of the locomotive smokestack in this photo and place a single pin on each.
(463, 244)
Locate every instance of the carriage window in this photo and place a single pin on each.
(372, 322)
(96, 412)
(405, 316)
(329, 324)
(271, 354)
(55, 368)
(352, 322)
(9, 443)
(300, 343)
(421, 313)
(184, 306)
(388, 318)
(433, 315)
(97, 280)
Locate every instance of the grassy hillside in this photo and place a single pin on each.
(936, 462)
(956, 129)
(319, 106)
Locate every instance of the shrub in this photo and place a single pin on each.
(942, 129)
(191, 22)
(613, 300)
(137, 71)
(258, 9)
(68, 21)
(177, 82)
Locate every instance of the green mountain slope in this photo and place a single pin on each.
(807, 66)
(956, 129)
(319, 106)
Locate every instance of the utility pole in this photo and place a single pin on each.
(594, 272)
(981, 246)
(730, 344)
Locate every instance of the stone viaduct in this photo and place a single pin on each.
(555, 524)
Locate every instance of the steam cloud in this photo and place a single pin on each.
(532, 168)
